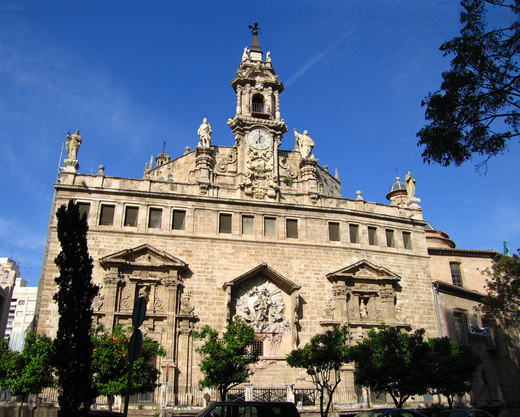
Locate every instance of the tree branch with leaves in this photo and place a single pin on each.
(476, 110)
(322, 358)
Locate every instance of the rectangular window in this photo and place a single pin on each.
(84, 209)
(107, 215)
(248, 225)
(407, 240)
(179, 219)
(19, 313)
(354, 233)
(372, 235)
(224, 224)
(21, 302)
(31, 303)
(461, 327)
(258, 347)
(155, 219)
(270, 226)
(390, 242)
(131, 214)
(492, 341)
(334, 232)
(292, 228)
(456, 274)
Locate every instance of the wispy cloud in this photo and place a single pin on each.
(316, 58)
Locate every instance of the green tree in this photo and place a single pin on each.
(6, 362)
(226, 361)
(73, 344)
(31, 370)
(476, 111)
(503, 291)
(452, 367)
(323, 357)
(394, 362)
(110, 364)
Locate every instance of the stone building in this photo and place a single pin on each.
(9, 273)
(257, 230)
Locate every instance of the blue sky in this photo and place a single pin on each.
(127, 73)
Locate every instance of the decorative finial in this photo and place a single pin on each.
(254, 29)
(164, 144)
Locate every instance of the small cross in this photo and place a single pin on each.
(164, 143)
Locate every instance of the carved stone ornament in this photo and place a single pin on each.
(328, 312)
(97, 302)
(259, 181)
(260, 303)
(186, 307)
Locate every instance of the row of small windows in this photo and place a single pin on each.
(155, 218)
(334, 235)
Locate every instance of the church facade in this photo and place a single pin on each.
(252, 230)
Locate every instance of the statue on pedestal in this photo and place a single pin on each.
(73, 143)
(410, 185)
(205, 133)
(305, 143)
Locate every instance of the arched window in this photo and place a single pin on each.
(258, 103)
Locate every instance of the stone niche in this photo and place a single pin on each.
(363, 296)
(269, 302)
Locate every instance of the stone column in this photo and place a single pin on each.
(112, 283)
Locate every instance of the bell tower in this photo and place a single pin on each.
(257, 126)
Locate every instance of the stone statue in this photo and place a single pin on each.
(245, 55)
(410, 185)
(305, 143)
(205, 133)
(268, 56)
(73, 143)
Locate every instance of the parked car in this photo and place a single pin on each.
(470, 412)
(390, 412)
(250, 409)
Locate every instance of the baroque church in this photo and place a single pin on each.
(261, 231)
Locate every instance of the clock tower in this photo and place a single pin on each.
(257, 126)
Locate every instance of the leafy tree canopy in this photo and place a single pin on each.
(391, 361)
(7, 358)
(31, 370)
(476, 111)
(323, 355)
(452, 367)
(503, 291)
(73, 345)
(110, 363)
(226, 361)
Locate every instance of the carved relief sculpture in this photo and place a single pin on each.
(260, 303)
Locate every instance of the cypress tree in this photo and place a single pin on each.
(73, 345)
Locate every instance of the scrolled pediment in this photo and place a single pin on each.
(143, 257)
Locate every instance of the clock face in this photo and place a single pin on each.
(259, 139)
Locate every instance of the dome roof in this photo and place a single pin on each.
(396, 187)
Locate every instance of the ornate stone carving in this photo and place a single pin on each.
(186, 307)
(328, 312)
(259, 181)
(260, 303)
(97, 302)
(222, 166)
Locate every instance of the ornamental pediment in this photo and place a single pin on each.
(364, 271)
(264, 270)
(142, 257)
